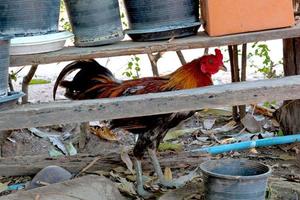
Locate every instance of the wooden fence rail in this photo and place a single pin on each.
(103, 109)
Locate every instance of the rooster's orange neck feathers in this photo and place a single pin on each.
(187, 77)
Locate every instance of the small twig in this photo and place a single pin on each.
(89, 165)
(181, 57)
(11, 87)
(42, 183)
(206, 51)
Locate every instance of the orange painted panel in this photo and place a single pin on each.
(224, 17)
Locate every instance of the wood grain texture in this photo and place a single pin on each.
(30, 165)
(202, 40)
(141, 105)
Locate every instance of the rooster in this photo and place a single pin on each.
(94, 81)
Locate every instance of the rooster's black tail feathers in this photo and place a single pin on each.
(90, 73)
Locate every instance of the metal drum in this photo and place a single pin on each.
(4, 64)
(95, 22)
(29, 17)
(157, 19)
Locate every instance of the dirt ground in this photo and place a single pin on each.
(206, 128)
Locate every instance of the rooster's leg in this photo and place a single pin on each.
(139, 179)
(169, 184)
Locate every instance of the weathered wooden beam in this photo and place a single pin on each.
(242, 93)
(29, 165)
(202, 40)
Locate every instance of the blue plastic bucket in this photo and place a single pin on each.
(29, 17)
(95, 22)
(230, 179)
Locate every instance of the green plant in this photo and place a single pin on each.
(39, 82)
(14, 75)
(267, 67)
(271, 104)
(124, 21)
(133, 68)
(63, 20)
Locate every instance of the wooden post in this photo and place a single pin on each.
(238, 112)
(26, 81)
(3, 136)
(153, 60)
(181, 57)
(288, 114)
(233, 76)
(242, 108)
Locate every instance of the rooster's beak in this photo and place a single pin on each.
(223, 68)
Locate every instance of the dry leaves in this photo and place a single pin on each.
(251, 124)
(261, 110)
(126, 159)
(168, 174)
(209, 123)
(37, 197)
(124, 185)
(104, 133)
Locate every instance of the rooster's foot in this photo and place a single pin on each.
(172, 184)
(181, 181)
(143, 193)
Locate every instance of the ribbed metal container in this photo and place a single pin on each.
(10, 100)
(29, 17)
(4, 64)
(157, 19)
(95, 22)
(230, 179)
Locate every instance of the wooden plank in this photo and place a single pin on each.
(83, 188)
(30, 165)
(140, 105)
(202, 40)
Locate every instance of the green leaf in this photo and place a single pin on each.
(166, 146)
(137, 59)
(39, 81)
(130, 64)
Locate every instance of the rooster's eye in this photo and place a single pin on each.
(210, 61)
